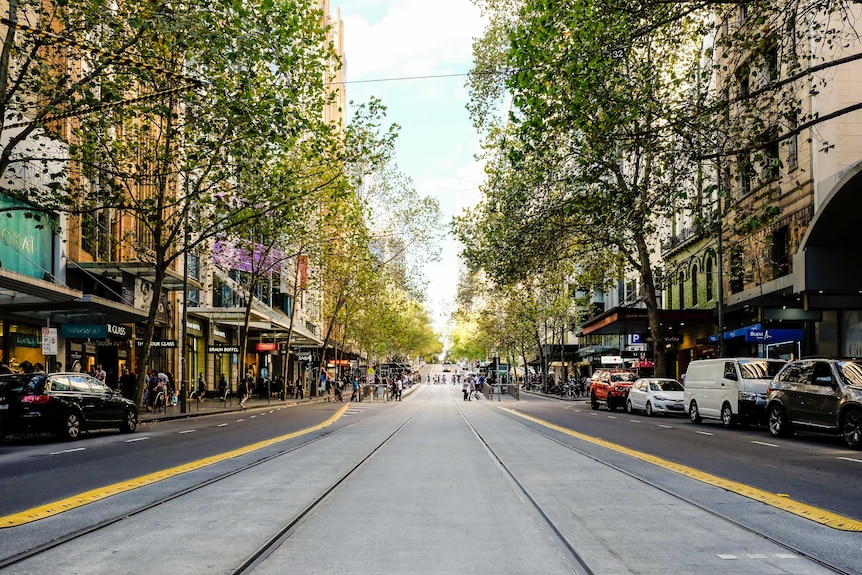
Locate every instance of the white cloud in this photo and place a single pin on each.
(414, 37)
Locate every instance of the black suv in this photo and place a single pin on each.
(63, 403)
(818, 395)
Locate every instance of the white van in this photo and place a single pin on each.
(730, 389)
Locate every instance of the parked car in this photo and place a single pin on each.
(656, 395)
(730, 389)
(65, 404)
(611, 387)
(10, 403)
(823, 395)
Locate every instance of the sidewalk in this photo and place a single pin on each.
(214, 405)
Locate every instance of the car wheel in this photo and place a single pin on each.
(777, 421)
(693, 413)
(593, 403)
(71, 426)
(727, 415)
(611, 405)
(130, 421)
(649, 409)
(851, 428)
(629, 408)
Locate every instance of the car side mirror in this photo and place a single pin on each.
(824, 380)
(731, 377)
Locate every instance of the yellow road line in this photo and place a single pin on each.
(94, 495)
(778, 500)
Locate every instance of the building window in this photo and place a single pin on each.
(681, 290)
(771, 161)
(780, 252)
(793, 144)
(694, 286)
(709, 280)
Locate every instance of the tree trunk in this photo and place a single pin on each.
(648, 283)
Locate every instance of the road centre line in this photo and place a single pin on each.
(68, 451)
(704, 433)
(851, 459)
(222, 425)
(664, 426)
(187, 431)
(81, 499)
(144, 438)
(787, 504)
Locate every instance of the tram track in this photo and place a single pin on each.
(262, 551)
(569, 550)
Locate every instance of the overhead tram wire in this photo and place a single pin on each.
(507, 72)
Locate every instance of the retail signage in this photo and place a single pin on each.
(84, 331)
(774, 335)
(25, 242)
(338, 362)
(26, 340)
(611, 360)
(118, 330)
(167, 343)
(739, 332)
(303, 357)
(222, 349)
(266, 346)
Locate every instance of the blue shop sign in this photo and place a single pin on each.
(26, 243)
(774, 335)
(84, 331)
(738, 332)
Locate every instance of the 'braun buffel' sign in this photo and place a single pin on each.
(222, 349)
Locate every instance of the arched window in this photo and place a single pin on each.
(694, 285)
(709, 279)
(681, 290)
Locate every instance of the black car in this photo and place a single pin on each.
(818, 395)
(63, 403)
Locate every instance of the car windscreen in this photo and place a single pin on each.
(669, 385)
(755, 369)
(851, 371)
(623, 376)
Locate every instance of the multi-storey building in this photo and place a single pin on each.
(775, 258)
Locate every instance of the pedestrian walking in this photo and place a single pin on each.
(465, 389)
(202, 386)
(222, 387)
(336, 387)
(300, 390)
(400, 387)
(242, 392)
(355, 395)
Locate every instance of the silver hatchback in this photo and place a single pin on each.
(822, 395)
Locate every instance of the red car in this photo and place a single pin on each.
(611, 387)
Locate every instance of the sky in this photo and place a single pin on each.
(386, 39)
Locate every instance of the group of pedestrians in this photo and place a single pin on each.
(471, 386)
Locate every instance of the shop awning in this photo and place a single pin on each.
(146, 271)
(625, 320)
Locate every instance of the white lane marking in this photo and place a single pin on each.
(665, 426)
(786, 556)
(188, 431)
(756, 556)
(252, 417)
(222, 424)
(704, 433)
(634, 420)
(593, 413)
(851, 459)
(137, 439)
(727, 556)
(764, 443)
(238, 420)
(68, 451)
(612, 417)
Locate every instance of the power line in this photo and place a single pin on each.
(426, 77)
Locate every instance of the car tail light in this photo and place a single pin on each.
(36, 399)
